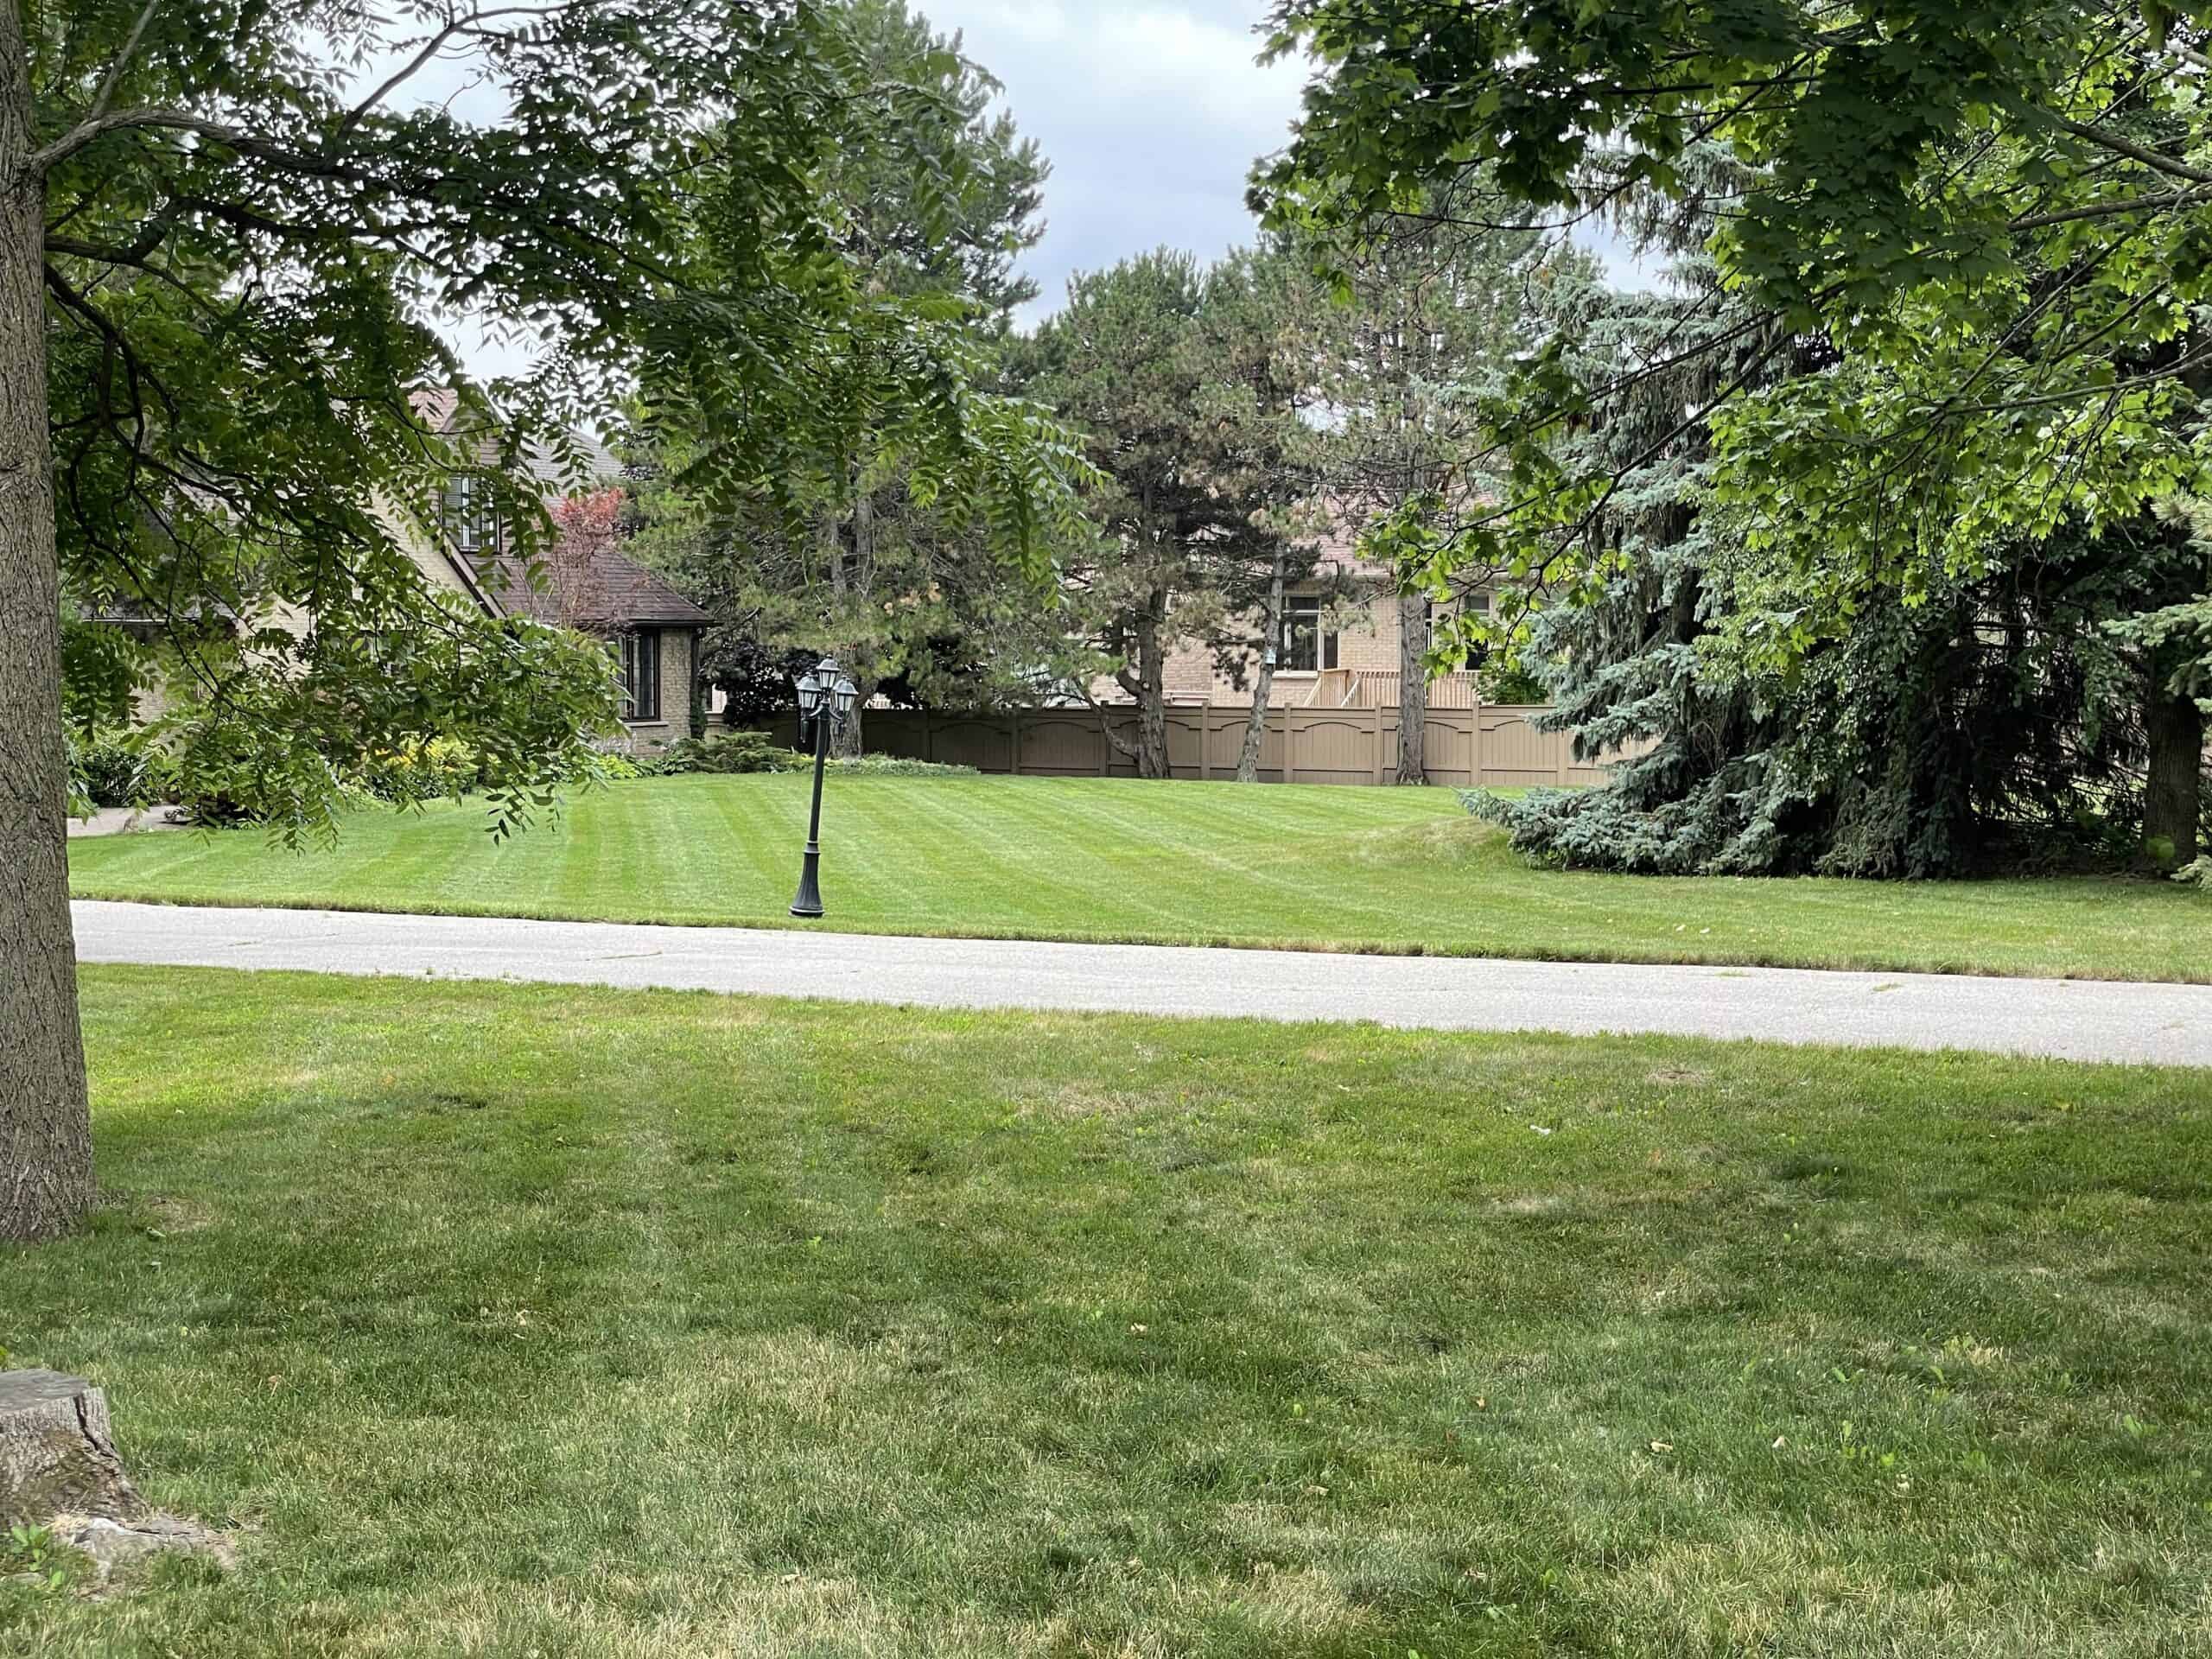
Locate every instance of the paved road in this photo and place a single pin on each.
(2086, 1019)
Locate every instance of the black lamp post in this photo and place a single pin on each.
(826, 696)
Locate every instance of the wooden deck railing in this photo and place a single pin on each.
(1377, 688)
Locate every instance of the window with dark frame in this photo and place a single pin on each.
(1475, 604)
(641, 674)
(470, 518)
(1306, 647)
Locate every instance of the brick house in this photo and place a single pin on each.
(654, 629)
(1339, 656)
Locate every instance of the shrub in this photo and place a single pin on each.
(120, 770)
(756, 752)
(420, 768)
(894, 765)
(731, 751)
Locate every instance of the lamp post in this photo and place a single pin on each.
(826, 696)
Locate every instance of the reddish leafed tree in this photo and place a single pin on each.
(588, 525)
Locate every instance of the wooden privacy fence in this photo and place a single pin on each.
(1495, 746)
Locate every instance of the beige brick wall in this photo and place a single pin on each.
(1369, 640)
(648, 737)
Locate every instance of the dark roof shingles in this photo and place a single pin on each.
(618, 593)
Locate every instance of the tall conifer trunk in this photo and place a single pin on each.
(1414, 632)
(45, 1142)
(1152, 690)
(1264, 690)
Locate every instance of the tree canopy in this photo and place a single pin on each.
(235, 236)
(1955, 318)
(253, 257)
(857, 548)
(1991, 215)
(1186, 383)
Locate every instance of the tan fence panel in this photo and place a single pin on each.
(1492, 747)
(1062, 743)
(1334, 746)
(1449, 751)
(903, 732)
(983, 742)
(1513, 754)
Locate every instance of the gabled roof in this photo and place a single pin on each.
(613, 592)
(439, 408)
(616, 592)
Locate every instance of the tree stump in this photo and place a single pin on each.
(56, 1457)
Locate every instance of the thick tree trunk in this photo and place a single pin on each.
(1412, 688)
(46, 1141)
(1152, 691)
(1256, 729)
(2172, 797)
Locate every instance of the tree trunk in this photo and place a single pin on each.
(1152, 691)
(57, 1456)
(1256, 729)
(1414, 632)
(846, 740)
(2173, 794)
(46, 1138)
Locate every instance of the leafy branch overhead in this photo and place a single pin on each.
(1982, 223)
(262, 225)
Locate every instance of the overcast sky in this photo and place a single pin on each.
(1151, 114)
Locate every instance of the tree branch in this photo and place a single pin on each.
(2110, 209)
(150, 239)
(2134, 151)
(41, 162)
(430, 49)
(122, 61)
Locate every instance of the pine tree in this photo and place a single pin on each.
(1189, 386)
(1428, 320)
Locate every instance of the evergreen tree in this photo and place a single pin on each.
(1187, 385)
(1261, 337)
(1429, 320)
(852, 551)
(1990, 221)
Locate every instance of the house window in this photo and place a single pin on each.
(470, 519)
(1439, 613)
(1306, 647)
(641, 676)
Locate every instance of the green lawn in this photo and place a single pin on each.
(1372, 869)
(527, 1321)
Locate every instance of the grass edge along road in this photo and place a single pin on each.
(610, 1323)
(1121, 861)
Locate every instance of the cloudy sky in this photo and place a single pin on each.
(1151, 114)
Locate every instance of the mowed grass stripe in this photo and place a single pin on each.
(500, 1318)
(1323, 868)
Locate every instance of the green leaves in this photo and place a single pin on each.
(1958, 259)
(252, 263)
